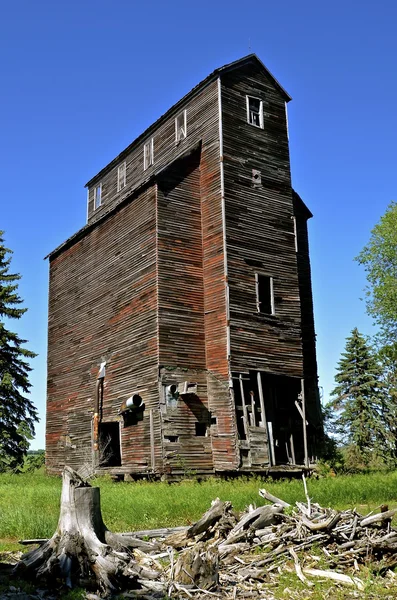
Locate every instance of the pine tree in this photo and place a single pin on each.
(358, 400)
(17, 413)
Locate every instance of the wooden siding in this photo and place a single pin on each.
(180, 266)
(200, 121)
(103, 306)
(259, 226)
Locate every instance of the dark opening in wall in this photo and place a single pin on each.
(171, 438)
(109, 444)
(264, 294)
(201, 429)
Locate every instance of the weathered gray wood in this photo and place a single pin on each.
(382, 516)
(268, 496)
(217, 510)
(82, 546)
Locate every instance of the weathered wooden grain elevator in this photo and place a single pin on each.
(181, 333)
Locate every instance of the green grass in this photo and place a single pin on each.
(29, 503)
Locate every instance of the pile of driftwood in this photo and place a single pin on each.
(222, 555)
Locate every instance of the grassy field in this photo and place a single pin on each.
(29, 503)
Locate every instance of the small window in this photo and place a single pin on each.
(201, 429)
(256, 177)
(148, 155)
(97, 196)
(264, 294)
(295, 233)
(255, 111)
(121, 176)
(180, 127)
(173, 439)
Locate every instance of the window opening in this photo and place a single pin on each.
(173, 439)
(171, 396)
(180, 127)
(121, 176)
(255, 111)
(148, 155)
(295, 234)
(98, 196)
(201, 429)
(256, 177)
(264, 294)
(109, 444)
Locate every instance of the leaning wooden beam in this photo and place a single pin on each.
(245, 412)
(304, 425)
(382, 516)
(268, 496)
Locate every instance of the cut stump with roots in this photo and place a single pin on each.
(82, 550)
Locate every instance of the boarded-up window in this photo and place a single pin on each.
(98, 196)
(121, 176)
(180, 127)
(148, 154)
(255, 111)
(264, 294)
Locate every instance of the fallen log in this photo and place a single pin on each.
(82, 548)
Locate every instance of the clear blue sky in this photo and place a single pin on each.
(81, 79)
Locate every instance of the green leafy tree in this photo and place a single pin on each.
(379, 258)
(356, 409)
(17, 413)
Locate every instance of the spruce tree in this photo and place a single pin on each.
(17, 413)
(357, 400)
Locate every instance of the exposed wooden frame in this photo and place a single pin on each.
(97, 187)
(258, 302)
(121, 176)
(148, 154)
(180, 131)
(261, 121)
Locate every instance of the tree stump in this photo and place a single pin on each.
(82, 550)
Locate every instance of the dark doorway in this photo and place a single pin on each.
(109, 444)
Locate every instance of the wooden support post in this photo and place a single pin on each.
(288, 454)
(291, 441)
(271, 442)
(245, 413)
(252, 415)
(304, 423)
(151, 425)
(261, 400)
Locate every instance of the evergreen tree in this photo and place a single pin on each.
(357, 401)
(17, 413)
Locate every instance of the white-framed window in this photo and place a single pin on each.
(295, 233)
(121, 176)
(255, 111)
(97, 196)
(148, 154)
(264, 294)
(180, 126)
